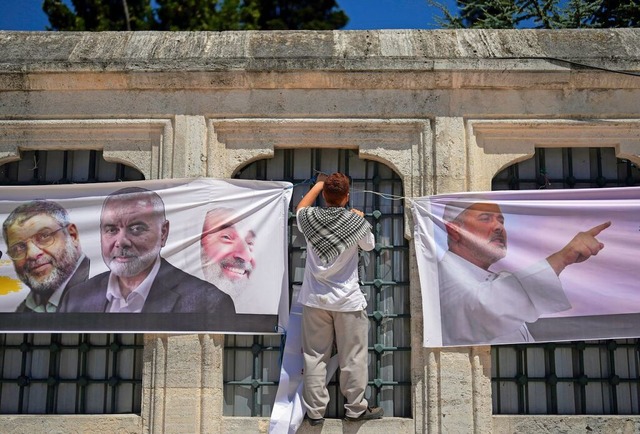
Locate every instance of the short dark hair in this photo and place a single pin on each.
(336, 188)
(36, 207)
(138, 193)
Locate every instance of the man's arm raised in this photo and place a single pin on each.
(579, 249)
(312, 194)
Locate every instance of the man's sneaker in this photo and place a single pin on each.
(314, 422)
(369, 414)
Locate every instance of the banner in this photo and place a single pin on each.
(289, 409)
(529, 266)
(199, 255)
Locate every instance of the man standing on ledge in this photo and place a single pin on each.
(45, 249)
(133, 229)
(333, 304)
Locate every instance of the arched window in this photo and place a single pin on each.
(55, 373)
(583, 377)
(252, 369)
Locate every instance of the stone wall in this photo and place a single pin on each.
(446, 110)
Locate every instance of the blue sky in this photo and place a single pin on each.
(363, 14)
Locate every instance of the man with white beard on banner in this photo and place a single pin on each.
(45, 249)
(334, 307)
(479, 306)
(226, 254)
(133, 229)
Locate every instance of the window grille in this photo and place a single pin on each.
(252, 369)
(555, 168)
(45, 373)
(70, 373)
(64, 167)
(583, 377)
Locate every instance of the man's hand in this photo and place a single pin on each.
(321, 177)
(313, 193)
(580, 248)
(357, 211)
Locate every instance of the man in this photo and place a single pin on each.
(133, 229)
(226, 253)
(333, 304)
(46, 253)
(480, 306)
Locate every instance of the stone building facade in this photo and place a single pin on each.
(444, 110)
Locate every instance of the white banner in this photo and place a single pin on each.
(289, 409)
(211, 253)
(529, 266)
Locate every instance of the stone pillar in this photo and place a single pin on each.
(457, 381)
(190, 134)
(450, 156)
(182, 383)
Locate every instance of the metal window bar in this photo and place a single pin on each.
(64, 167)
(252, 366)
(553, 168)
(70, 373)
(583, 377)
(43, 373)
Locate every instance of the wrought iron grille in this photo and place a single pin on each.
(69, 373)
(555, 168)
(64, 167)
(584, 377)
(252, 365)
(592, 377)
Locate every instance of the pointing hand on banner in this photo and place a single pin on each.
(579, 249)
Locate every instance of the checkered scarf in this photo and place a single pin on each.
(330, 231)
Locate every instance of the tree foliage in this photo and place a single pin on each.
(301, 15)
(99, 15)
(217, 15)
(207, 15)
(541, 14)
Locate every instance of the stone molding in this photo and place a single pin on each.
(381, 59)
(384, 140)
(397, 143)
(386, 50)
(145, 144)
(497, 144)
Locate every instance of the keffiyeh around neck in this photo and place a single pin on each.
(331, 231)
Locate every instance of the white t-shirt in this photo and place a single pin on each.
(334, 286)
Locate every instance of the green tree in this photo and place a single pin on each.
(301, 15)
(207, 15)
(617, 13)
(100, 15)
(542, 14)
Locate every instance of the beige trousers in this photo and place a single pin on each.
(350, 330)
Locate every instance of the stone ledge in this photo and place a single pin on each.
(386, 425)
(66, 423)
(379, 50)
(534, 424)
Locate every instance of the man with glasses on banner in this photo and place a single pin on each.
(479, 306)
(133, 229)
(46, 253)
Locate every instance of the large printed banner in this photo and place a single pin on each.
(529, 266)
(197, 255)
